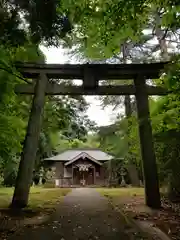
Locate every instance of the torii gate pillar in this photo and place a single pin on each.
(147, 147)
(28, 157)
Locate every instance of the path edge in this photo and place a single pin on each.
(141, 227)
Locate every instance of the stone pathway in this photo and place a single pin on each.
(84, 214)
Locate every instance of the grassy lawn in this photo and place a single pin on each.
(125, 198)
(39, 197)
(121, 192)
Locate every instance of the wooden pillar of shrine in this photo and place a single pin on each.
(24, 178)
(147, 147)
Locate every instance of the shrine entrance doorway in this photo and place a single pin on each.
(83, 176)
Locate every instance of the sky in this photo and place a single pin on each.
(102, 117)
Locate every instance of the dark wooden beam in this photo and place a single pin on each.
(59, 89)
(24, 178)
(89, 80)
(102, 71)
(147, 147)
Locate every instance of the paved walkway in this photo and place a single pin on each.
(84, 214)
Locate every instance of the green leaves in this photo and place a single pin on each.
(113, 138)
(13, 115)
(64, 117)
(10, 33)
(24, 21)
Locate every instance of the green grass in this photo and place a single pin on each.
(39, 197)
(122, 192)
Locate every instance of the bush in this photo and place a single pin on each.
(36, 180)
(9, 179)
(1, 180)
(43, 181)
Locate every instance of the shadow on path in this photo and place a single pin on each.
(84, 214)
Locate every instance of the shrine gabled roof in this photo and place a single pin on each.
(72, 154)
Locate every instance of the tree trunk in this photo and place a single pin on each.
(161, 37)
(26, 166)
(147, 146)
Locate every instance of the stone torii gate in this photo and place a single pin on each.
(91, 74)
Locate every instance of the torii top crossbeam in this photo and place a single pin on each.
(90, 74)
(100, 71)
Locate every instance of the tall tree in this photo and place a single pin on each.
(24, 21)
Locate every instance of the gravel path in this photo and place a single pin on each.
(84, 214)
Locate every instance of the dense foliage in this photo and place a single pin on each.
(139, 32)
(33, 21)
(101, 31)
(64, 117)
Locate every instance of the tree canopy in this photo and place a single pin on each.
(99, 31)
(64, 117)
